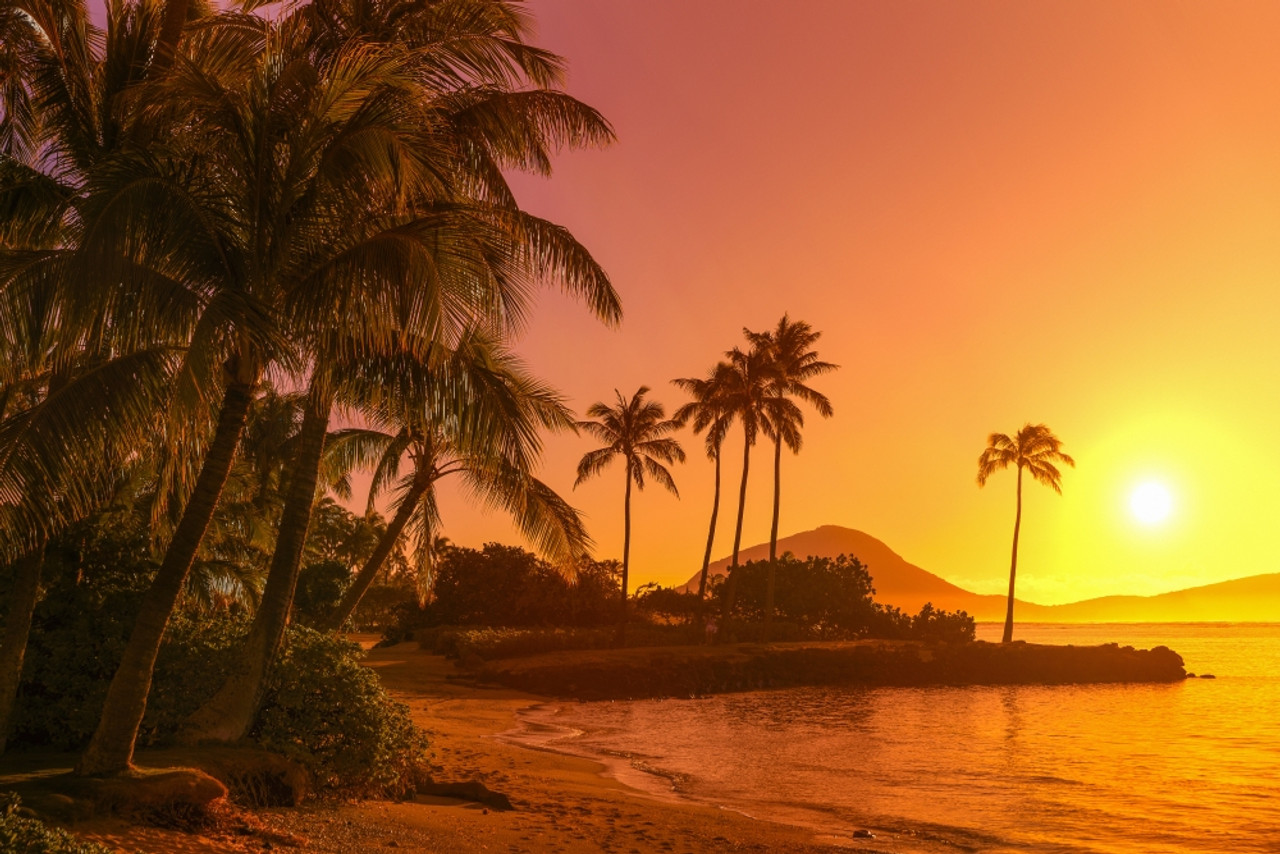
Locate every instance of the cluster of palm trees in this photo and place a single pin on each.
(196, 204)
(758, 387)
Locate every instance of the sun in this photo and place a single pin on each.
(1150, 503)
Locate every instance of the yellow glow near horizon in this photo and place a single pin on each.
(1150, 503)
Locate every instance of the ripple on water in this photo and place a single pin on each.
(1136, 769)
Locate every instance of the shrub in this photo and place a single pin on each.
(932, 624)
(320, 588)
(488, 644)
(24, 835)
(327, 711)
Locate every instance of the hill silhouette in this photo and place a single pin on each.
(908, 586)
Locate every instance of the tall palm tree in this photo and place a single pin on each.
(745, 392)
(791, 364)
(476, 414)
(637, 431)
(1035, 449)
(708, 411)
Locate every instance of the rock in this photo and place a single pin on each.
(863, 834)
(469, 790)
(1207, 676)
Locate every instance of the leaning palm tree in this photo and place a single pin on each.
(635, 430)
(414, 236)
(708, 411)
(791, 363)
(1036, 449)
(476, 413)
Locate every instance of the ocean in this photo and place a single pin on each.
(1113, 769)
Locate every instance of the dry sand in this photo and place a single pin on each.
(562, 803)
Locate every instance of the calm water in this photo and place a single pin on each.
(1191, 767)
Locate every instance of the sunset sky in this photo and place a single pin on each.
(995, 212)
(998, 212)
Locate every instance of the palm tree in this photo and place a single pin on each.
(476, 414)
(635, 430)
(419, 235)
(708, 411)
(791, 363)
(745, 392)
(122, 312)
(1036, 449)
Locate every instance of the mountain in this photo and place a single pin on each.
(907, 586)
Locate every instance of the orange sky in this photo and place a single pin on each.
(996, 212)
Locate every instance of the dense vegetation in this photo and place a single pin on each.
(195, 204)
(504, 601)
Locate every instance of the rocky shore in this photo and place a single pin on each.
(695, 671)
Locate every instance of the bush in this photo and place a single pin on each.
(934, 625)
(488, 644)
(327, 711)
(23, 835)
(320, 588)
(509, 586)
(826, 599)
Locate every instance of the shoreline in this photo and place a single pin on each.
(563, 803)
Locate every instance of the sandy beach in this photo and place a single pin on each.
(562, 803)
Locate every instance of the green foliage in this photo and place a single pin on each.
(828, 599)
(95, 574)
(326, 710)
(195, 658)
(509, 586)
(487, 644)
(666, 604)
(932, 624)
(320, 588)
(23, 835)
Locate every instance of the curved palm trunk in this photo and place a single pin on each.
(351, 599)
(731, 591)
(110, 751)
(771, 586)
(626, 559)
(711, 538)
(17, 628)
(229, 714)
(1013, 564)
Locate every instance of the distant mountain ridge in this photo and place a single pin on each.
(907, 586)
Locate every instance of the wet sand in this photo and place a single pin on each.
(563, 803)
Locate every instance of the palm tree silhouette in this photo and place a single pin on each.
(477, 414)
(791, 363)
(635, 430)
(1036, 449)
(709, 410)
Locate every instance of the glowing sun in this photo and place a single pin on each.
(1150, 503)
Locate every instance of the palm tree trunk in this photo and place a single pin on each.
(351, 599)
(1013, 564)
(229, 714)
(626, 558)
(110, 751)
(771, 585)
(711, 538)
(17, 628)
(732, 590)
